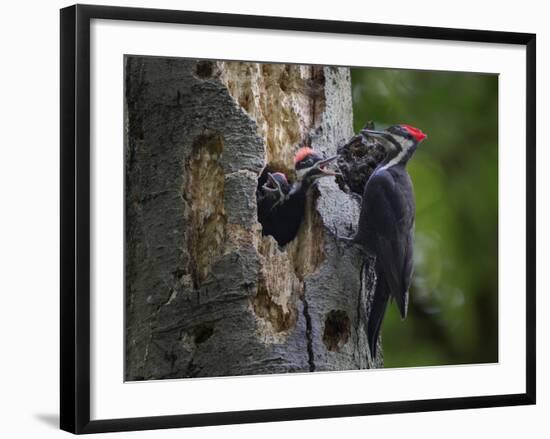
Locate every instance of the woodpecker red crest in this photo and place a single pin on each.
(415, 132)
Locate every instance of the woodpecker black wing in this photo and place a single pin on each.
(408, 270)
(390, 229)
(386, 227)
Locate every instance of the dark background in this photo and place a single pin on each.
(453, 310)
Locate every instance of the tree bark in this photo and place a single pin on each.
(206, 293)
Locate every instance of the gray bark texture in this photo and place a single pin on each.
(206, 294)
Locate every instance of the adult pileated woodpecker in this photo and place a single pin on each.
(386, 223)
(288, 215)
(269, 197)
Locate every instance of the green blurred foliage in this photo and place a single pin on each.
(453, 310)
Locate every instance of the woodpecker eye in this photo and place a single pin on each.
(400, 131)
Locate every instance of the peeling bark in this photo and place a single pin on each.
(206, 293)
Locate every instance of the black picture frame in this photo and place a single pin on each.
(75, 217)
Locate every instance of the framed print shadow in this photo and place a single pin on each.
(268, 218)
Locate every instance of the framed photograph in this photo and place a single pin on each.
(268, 218)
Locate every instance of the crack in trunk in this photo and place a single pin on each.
(309, 332)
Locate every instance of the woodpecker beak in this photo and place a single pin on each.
(385, 138)
(374, 133)
(322, 166)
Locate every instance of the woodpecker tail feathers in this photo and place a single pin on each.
(376, 315)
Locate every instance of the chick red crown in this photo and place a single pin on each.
(302, 153)
(280, 174)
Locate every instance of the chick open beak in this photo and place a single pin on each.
(322, 165)
(272, 185)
